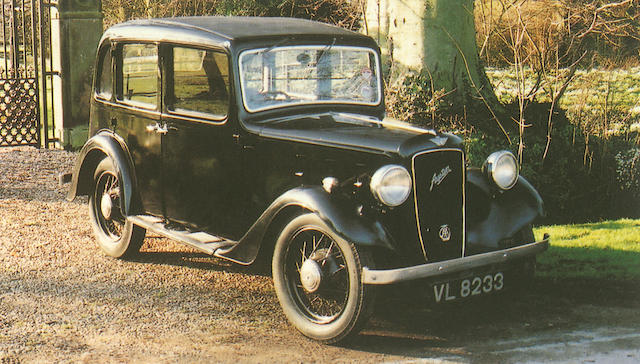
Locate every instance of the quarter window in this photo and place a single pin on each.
(200, 82)
(105, 87)
(140, 74)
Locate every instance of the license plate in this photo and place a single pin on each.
(468, 287)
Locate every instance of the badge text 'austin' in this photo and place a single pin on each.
(437, 178)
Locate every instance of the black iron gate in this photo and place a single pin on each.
(25, 44)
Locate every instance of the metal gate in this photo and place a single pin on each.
(25, 53)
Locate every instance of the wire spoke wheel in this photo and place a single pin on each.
(317, 278)
(324, 299)
(116, 236)
(107, 202)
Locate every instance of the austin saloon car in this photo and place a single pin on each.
(265, 139)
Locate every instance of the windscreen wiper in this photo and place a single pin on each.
(325, 50)
(277, 44)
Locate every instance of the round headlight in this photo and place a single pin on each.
(502, 168)
(391, 185)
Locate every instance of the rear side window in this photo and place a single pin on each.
(105, 87)
(140, 74)
(200, 82)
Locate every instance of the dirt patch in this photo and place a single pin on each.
(61, 300)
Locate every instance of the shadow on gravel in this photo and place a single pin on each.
(199, 261)
(405, 323)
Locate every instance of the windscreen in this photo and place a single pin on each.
(284, 76)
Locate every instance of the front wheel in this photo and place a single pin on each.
(117, 237)
(318, 281)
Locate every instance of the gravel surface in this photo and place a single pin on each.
(61, 300)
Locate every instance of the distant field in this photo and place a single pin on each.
(591, 94)
(607, 250)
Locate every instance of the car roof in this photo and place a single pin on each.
(225, 30)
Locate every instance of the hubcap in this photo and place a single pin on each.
(310, 275)
(106, 206)
(317, 275)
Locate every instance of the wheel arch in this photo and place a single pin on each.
(105, 144)
(338, 213)
(279, 221)
(503, 213)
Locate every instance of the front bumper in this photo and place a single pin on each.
(431, 270)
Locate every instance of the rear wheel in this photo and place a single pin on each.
(117, 237)
(318, 280)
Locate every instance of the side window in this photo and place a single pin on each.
(200, 82)
(104, 88)
(140, 74)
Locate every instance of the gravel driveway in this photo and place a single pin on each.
(61, 300)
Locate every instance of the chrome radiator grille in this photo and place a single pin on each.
(438, 185)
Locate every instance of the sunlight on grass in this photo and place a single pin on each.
(605, 250)
(590, 95)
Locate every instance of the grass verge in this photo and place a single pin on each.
(608, 250)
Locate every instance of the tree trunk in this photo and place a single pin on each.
(435, 38)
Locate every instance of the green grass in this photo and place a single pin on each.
(607, 250)
(591, 95)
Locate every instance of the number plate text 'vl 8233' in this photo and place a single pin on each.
(468, 287)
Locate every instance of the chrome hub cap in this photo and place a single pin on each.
(310, 275)
(106, 206)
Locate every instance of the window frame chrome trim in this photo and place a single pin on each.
(116, 104)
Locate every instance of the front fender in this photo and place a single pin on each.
(336, 211)
(104, 143)
(494, 215)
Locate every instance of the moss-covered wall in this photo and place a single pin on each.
(79, 30)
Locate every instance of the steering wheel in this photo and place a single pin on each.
(273, 95)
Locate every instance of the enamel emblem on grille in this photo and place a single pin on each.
(444, 233)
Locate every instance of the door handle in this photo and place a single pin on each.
(239, 140)
(160, 129)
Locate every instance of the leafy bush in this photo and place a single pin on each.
(342, 13)
(577, 176)
(557, 32)
(628, 169)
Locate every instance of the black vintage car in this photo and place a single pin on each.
(253, 138)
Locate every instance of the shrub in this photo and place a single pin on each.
(557, 32)
(577, 177)
(342, 13)
(628, 169)
(626, 201)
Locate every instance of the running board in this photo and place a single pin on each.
(199, 240)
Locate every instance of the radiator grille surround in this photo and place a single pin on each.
(439, 196)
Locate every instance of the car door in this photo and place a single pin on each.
(136, 117)
(201, 157)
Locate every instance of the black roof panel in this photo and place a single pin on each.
(254, 27)
(221, 31)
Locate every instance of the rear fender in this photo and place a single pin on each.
(337, 212)
(497, 214)
(104, 143)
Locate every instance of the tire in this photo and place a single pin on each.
(327, 309)
(117, 237)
